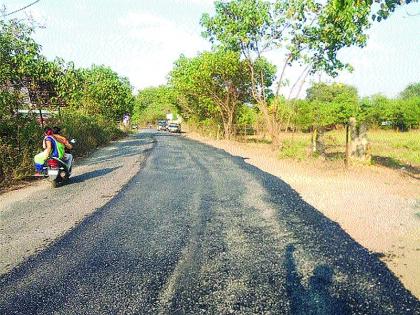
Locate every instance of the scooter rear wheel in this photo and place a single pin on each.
(56, 182)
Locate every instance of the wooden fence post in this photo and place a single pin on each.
(346, 158)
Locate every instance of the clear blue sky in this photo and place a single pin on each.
(141, 39)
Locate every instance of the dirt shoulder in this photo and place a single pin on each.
(378, 207)
(34, 216)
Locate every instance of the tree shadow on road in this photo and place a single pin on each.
(122, 149)
(395, 164)
(324, 241)
(89, 175)
(317, 298)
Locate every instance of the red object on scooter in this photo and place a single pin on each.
(52, 163)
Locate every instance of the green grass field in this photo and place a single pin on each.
(388, 148)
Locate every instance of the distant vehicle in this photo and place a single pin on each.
(162, 125)
(174, 128)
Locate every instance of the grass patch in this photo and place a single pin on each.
(293, 148)
(388, 148)
(400, 147)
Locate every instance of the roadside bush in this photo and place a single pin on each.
(207, 127)
(90, 132)
(21, 138)
(293, 149)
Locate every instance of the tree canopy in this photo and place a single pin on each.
(305, 31)
(105, 93)
(215, 85)
(154, 103)
(412, 90)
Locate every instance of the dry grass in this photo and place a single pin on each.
(388, 147)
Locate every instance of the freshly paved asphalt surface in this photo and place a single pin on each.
(199, 231)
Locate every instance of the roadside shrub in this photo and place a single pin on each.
(207, 127)
(90, 132)
(21, 138)
(293, 149)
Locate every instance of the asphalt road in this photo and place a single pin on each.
(199, 231)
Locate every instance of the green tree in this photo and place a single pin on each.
(330, 104)
(412, 90)
(306, 32)
(24, 72)
(403, 114)
(29, 81)
(342, 100)
(103, 92)
(374, 109)
(215, 85)
(154, 103)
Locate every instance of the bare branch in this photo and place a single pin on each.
(301, 84)
(21, 9)
(282, 74)
(298, 80)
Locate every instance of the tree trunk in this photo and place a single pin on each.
(272, 126)
(346, 158)
(286, 129)
(41, 118)
(228, 118)
(313, 139)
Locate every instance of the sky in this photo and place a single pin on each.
(141, 39)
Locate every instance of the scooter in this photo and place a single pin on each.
(57, 170)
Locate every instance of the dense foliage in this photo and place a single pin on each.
(305, 33)
(101, 92)
(332, 105)
(152, 104)
(401, 114)
(413, 90)
(215, 85)
(94, 100)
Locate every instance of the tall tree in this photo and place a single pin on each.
(154, 103)
(412, 90)
(309, 33)
(216, 84)
(103, 92)
(24, 72)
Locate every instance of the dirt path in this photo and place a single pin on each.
(379, 208)
(32, 217)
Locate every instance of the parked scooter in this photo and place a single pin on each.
(57, 170)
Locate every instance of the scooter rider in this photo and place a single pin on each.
(68, 158)
(51, 147)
